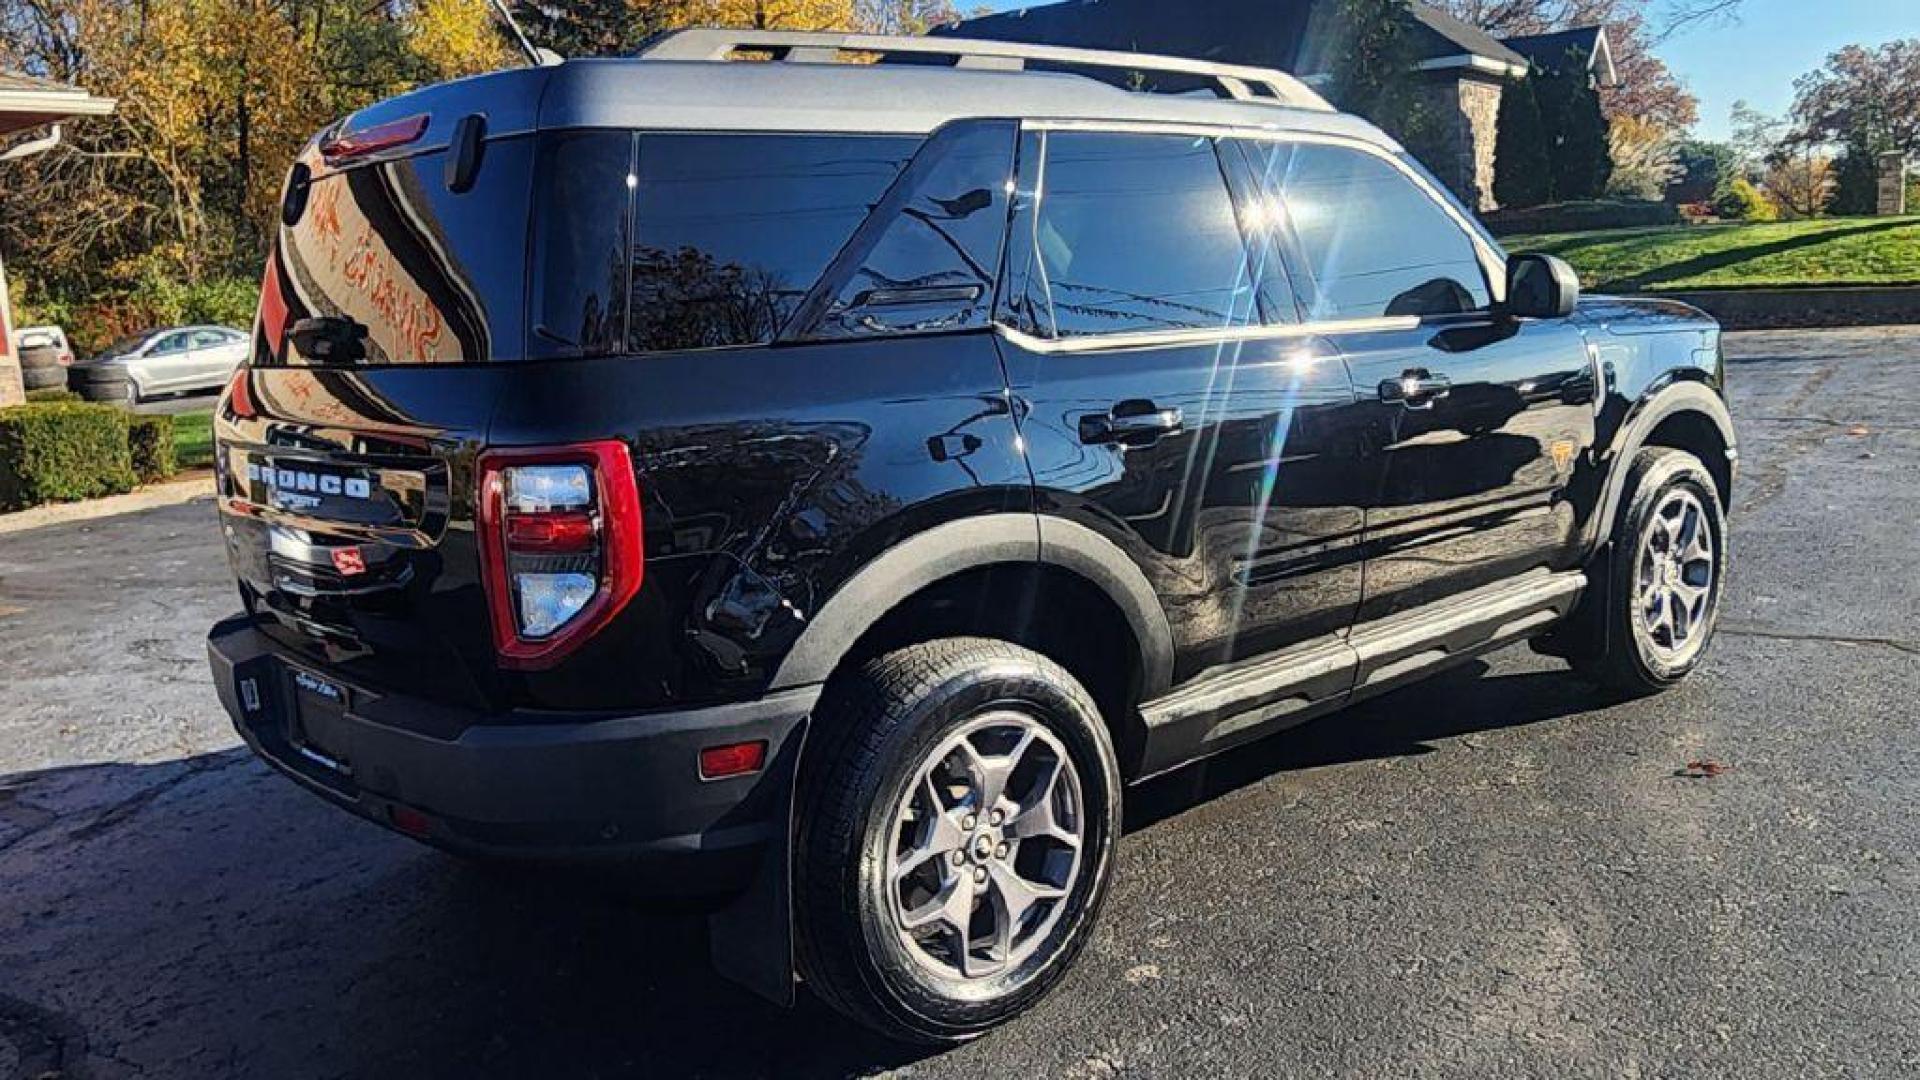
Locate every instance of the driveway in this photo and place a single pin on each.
(1497, 874)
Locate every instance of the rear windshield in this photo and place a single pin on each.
(569, 243)
(394, 266)
(654, 242)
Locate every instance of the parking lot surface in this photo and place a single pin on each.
(1497, 874)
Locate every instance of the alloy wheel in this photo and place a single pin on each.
(1674, 577)
(986, 846)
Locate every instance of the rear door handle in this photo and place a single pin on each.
(1416, 388)
(1131, 423)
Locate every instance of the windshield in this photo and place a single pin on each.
(126, 345)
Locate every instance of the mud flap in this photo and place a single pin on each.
(750, 940)
(1587, 633)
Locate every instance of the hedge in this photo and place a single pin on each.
(150, 441)
(62, 451)
(53, 393)
(1581, 216)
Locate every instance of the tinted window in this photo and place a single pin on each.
(433, 276)
(580, 242)
(933, 265)
(208, 339)
(1137, 232)
(172, 343)
(1374, 243)
(732, 231)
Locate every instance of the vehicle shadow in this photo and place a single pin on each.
(205, 917)
(1405, 723)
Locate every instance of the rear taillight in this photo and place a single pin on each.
(560, 543)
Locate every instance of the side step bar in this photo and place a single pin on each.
(1231, 705)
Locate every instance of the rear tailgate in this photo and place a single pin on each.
(390, 316)
(347, 510)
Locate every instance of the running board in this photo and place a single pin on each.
(1231, 705)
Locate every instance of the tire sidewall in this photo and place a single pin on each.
(1664, 472)
(917, 997)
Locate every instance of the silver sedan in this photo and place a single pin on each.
(171, 361)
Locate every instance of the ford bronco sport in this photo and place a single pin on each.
(826, 485)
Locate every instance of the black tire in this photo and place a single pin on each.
(43, 378)
(1634, 661)
(876, 727)
(42, 356)
(118, 391)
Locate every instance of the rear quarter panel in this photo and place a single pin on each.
(768, 477)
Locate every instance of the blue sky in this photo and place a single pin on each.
(1758, 55)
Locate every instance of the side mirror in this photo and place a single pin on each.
(1541, 287)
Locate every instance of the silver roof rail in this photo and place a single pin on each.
(713, 43)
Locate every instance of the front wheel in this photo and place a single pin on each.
(1669, 562)
(956, 834)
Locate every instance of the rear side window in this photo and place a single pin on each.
(1373, 242)
(723, 235)
(1135, 232)
(931, 264)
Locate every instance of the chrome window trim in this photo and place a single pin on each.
(1491, 263)
(1150, 339)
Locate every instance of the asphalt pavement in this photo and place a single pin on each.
(1500, 873)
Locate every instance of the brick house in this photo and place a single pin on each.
(1464, 69)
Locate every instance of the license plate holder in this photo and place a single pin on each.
(316, 725)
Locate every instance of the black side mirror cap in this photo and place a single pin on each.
(1541, 287)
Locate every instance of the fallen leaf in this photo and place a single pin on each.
(1859, 429)
(1704, 769)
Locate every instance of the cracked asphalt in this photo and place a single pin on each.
(1497, 874)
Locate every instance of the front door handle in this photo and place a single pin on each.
(1416, 388)
(1131, 423)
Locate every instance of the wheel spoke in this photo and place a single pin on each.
(939, 834)
(952, 905)
(1013, 895)
(1036, 819)
(1678, 617)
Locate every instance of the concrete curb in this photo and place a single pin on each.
(171, 493)
(1803, 308)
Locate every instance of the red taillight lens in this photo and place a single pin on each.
(734, 759)
(564, 532)
(349, 145)
(560, 544)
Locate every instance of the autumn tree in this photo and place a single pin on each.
(1871, 95)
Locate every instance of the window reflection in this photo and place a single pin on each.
(1137, 232)
(733, 230)
(1374, 243)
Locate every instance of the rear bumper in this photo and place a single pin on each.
(592, 789)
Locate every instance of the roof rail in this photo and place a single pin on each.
(712, 43)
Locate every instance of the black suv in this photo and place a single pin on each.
(827, 485)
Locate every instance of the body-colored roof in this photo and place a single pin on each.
(850, 98)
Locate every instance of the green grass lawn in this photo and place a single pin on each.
(1830, 251)
(193, 440)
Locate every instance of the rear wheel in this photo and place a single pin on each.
(1670, 557)
(957, 826)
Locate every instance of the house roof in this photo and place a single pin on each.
(29, 102)
(1292, 35)
(1549, 51)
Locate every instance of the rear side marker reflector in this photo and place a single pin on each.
(733, 759)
